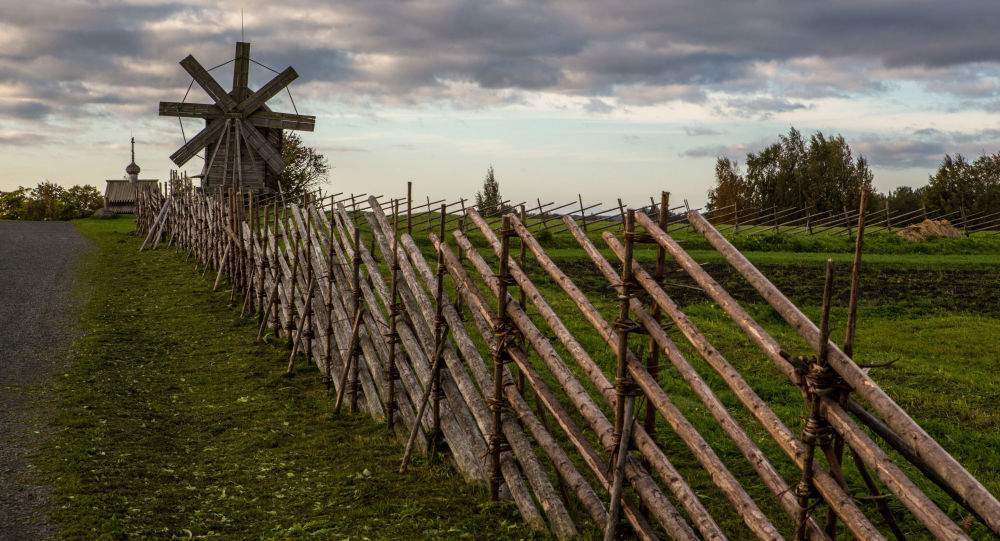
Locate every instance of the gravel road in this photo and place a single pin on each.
(38, 316)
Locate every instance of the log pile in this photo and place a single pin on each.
(465, 357)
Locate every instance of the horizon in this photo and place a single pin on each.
(614, 102)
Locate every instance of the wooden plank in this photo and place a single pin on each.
(241, 71)
(283, 121)
(263, 147)
(208, 83)
(268, 91)
(196, 143)
(189, 110)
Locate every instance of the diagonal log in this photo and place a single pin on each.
(268, 91)
(827, 485)
(208, 83)
(925, 510)
(654, 499)
(196, 143)
(418, 305)
(263, 147)
(715, 407)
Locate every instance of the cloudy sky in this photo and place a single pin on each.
(609, 99)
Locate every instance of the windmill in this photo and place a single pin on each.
(242, 137)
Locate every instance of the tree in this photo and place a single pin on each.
(821, 174)
(488, 200)
(960, 185)
(49, 201)
(905, 199)
(304, 167)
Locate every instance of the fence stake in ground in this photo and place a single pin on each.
(624, 386)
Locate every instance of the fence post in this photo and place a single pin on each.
(583, 214)
(392, 371)
(502, 333)
(653, 361)
(624, 386)
(409, 207)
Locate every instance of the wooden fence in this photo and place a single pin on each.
(467, 356)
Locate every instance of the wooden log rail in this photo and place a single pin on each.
(550, 430)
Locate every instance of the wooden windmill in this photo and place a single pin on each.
(242, 137)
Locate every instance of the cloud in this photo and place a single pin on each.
(924, 147)
(697, 131)
(762, 107)
(734, 152)
(76, 58)
(595, 105)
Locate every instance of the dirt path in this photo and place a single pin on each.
(38, 314)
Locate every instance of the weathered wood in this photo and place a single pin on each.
(424, 314)
(268, 91)
(211, 87)
(656, 502)
(931, 453)
(721, 476)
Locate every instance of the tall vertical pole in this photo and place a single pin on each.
(816, 431)
(409, 207)
(392, 371)
(583, 214)
(653, 361)
(502, 333)
(439, 337)
(522, 298)
(356, 294)
(330, 262)
(624, 386)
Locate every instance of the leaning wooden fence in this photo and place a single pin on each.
(465, 355)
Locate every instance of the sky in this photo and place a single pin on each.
(606, 99)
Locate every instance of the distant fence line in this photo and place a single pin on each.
(466, 367)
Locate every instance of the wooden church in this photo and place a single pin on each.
(120, 194)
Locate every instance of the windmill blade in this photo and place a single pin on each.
(189, 110)
(263, 147)
(196, 143)
(268, 91)
(283, 121)
(208, 83)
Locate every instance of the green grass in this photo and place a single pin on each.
(173, 422)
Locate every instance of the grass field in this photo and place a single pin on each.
(174, 422)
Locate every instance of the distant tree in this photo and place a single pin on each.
(959, 184)
(82, 200)
(49, 201)
(305, 168)
(13, 204)
(488, 200)
(904, 199)
(821, 174)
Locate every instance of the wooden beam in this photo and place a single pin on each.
(196, 143)
(268, 91)
(189, 110)
(211, 87)
(263, 147)
(241, 71)
(282, 121)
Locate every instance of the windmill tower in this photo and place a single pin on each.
(242, 137)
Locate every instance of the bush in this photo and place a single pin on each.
(49, 201)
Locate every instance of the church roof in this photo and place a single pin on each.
(124, 191)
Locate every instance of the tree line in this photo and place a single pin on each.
(50, 201)
(822, 174)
